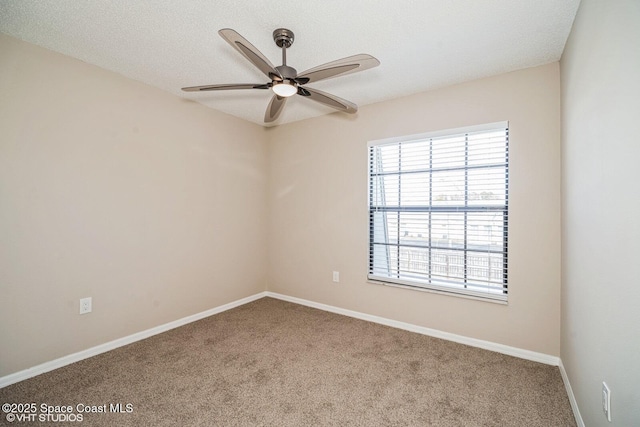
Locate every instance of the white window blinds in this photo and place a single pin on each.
(438, 211)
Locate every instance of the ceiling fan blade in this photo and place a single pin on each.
(275, 107)
(328, 99)
(227, 87)
(250, 52)
(337, 68)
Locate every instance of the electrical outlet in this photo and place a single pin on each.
(336, 276)
(85, 305)
(606, 401)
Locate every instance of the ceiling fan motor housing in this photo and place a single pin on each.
(289, 73)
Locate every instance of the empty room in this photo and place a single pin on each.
(235, 213)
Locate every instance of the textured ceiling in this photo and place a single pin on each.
(421, 44)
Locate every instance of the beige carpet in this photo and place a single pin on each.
(273, 363)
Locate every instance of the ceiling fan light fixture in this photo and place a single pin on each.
(285, 89)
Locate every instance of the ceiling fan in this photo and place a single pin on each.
(284, 80)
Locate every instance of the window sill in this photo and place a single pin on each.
(436, 291)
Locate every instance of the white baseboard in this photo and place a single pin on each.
(572, 397)
(487, 345)
(102, 348)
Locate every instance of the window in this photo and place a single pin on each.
(438, 211)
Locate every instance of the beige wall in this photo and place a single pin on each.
(318, 208)
(601, 209)
(152, 205)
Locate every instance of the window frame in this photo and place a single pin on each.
(428, 282)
